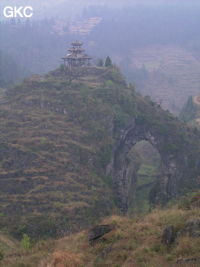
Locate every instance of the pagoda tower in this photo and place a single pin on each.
(76, 56)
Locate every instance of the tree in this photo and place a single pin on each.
(108, 62)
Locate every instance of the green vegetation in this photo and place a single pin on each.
(57, 140)
(1, 255)
(189, 110)
(191, 113)
(147, 176)
(26, 243)
(53, 139)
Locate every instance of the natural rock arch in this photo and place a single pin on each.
(179, 159)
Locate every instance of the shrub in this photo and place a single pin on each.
(26, 243)
(43, 140)
(109, 84)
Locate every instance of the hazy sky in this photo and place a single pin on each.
(50, 8)
(86, 2)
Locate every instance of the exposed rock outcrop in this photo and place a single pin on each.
(99, 231)
(169, 235)
(188, 261)
(192, 228)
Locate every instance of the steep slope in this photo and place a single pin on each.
(61, 139)
(50, 134)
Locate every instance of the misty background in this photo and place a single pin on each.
(156, 44)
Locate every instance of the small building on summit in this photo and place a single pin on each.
(76, 56)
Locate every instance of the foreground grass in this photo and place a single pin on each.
(134, 242)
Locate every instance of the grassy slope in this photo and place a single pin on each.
(135, 242)
(56, 140)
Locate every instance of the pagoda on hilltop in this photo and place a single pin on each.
(76, 56)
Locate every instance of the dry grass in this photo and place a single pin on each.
(135, 242)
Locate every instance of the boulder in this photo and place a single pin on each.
(99, 231)
(188, 260)
(169, 235)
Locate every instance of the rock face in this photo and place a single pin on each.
(192, 228)
(190, 261)
(99, 231)
(179, 152)
(169, 235)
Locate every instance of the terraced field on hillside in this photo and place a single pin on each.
(171, 74)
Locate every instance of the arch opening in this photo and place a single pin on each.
(124, 174)
(144, 166)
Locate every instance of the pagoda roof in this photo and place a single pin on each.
(77, 56)
(73, 49)
(77, 43)
(76, 52)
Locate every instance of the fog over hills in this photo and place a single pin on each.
(164, 35)
(100, 116)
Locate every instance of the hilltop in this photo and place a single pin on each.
(65, 158)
